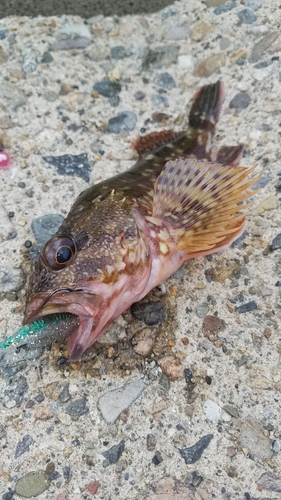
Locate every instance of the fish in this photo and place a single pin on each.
(42, 331)
(127, 234)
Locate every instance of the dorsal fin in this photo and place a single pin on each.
(199, 202)
(155, 140)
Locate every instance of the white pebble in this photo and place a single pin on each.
(212, 410)
(185, 61)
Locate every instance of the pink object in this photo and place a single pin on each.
(5, 159)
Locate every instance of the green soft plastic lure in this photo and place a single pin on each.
(50, 328)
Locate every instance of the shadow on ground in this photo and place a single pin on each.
(83, 8)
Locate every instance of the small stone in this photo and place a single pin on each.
(114, 453)
(47, 58)
(253, 439)
(165, 80)
(66, 471)
(177, 33)
(7, 230)
(71, 43)
(3, 34)
(144, 341)
(276, 446)
(240, 101)
(210, 65)
(226, 7)
(43, 413)
(118, 52)
(160, 56)
(74, 165)
(231, 451)
(150, 442)
(263, 44)
(107, 88)
(112, 403)
(29, 56)
(253, 4)
(11, 97)
(246, 16)
(77, 408)
(64, 395)
(159, 117)
(157, 459)
(139, 95)
(150, 313)
(212, 325)
(124, 121)
(249, 306)
(270, 482)
(164, 383)
(158, 100)
(202, 309)
(33, 484)
(276, 242)
(200, 30)
(45, 226)
(171, 366)
(10, 279)
(24, 445)
(93, 487)
(212, 410)
(185, 61)
(193, 453)
(224, 43)
(231, 410)
(74, 31)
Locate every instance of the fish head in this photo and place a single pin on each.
(95, 266)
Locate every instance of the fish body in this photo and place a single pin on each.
(125, 235)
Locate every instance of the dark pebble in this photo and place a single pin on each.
(139, 95)
(157, 459)
(28, 244)
(30, 403)
(74, 165)
(165, 80)
(77, 408)
(107, 88)
(71, 43)
(21, 185)
(24, 445)
(114, 453)
(10, 371)
(45, 226)
(150, 442)
(240, 101)
(3, 34)
(208, 380)
(11, 296)
(159, 117)
(66, 472)
(276, 242)
(196, 479)
(61, 361)
(247, 16)
(150, 313)
(118, 52)
(263, 64)
(16, 389)
(278, 283)
(193, 453)
(34, 252)
(158, 100)
(40, 397)
(9, 495)
(221, 9)
(64, 395)
(164, 383)
(55, 475)
(231, 410)
(47, 58)
(249, 306)
(126, 121)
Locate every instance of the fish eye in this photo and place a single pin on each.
(59, 252)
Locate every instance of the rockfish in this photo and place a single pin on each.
(125, 235)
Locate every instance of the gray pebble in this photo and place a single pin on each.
(150, 442)
(276, 446)
(240, 101)
(257, 444)
(262, 182)
(126, 121)
(164, 383)
(45, 226)
(107, 88)
(32, 484)
(249, 306)
(47, 58)
(11, 96)
(139, 95)
(231, 410)
(10, 279)
(253, 4)
(112, 403)
(158, 100)
(3, 34)
(165, 80)
(24, 445)
(13, 394)
(114, 453)
(263, 64)
(64, 394)
(77, 408)
(202, 309)
(247, 16)
(71, 43)
(270, 482)
(262, 45)
(74, 165)
(221, 9)
(118, 52)
(193, 453)
(157, 459)
(29, 57)
(66, 472)
(276, 242)
(10, 371)
(150, 313)
(160, 56)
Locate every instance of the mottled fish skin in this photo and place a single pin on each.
(125, 235)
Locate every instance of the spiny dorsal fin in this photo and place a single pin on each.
(199, 202)
(155, 140)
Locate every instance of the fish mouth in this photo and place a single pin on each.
(84, 305)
